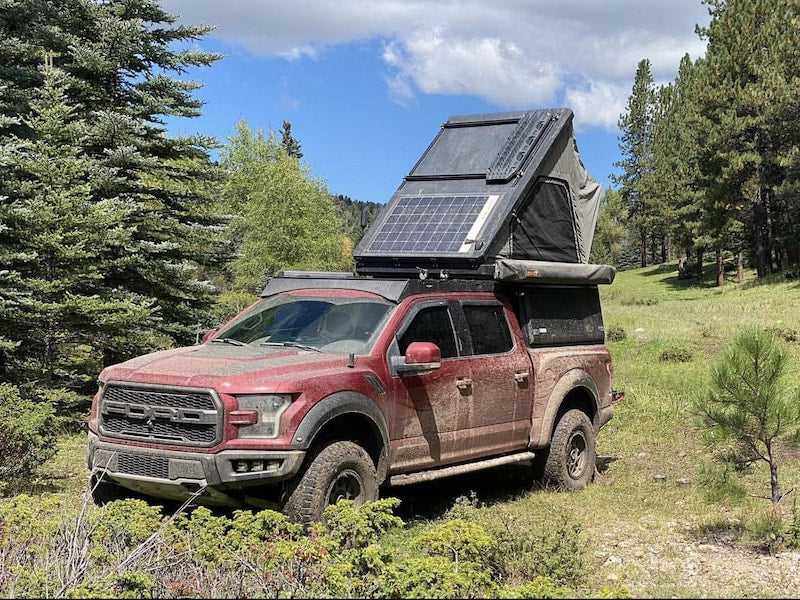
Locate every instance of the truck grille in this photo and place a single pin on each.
(167, 416)
(148, 466)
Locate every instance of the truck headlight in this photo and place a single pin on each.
(269, 407)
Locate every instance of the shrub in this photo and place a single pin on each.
(27, 436)
(676, 354)
(615, 333)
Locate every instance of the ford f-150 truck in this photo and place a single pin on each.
(446, 351)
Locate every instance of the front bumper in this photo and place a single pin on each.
(179, 475)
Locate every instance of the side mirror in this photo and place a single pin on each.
(420, 358)
(208, 335)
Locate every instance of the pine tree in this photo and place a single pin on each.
(749, 105)
(636, 125)
(290, 145)
(675, 163)
(750, 406)
(54, 234)
(122, 60)
(610, 239)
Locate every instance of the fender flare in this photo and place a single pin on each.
(572, 379)
(337, 405)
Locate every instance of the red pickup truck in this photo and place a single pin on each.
(469, 335)
(333, 385)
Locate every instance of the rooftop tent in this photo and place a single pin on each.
(489, 187)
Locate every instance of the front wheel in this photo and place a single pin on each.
(571, 458)
(338, 471)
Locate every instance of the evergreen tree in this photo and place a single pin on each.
(636, 125)
(675, 163)
(749, 107)
(121, 59)
(55, 237)
(288, 218)
(610, 238)
(750, 406)
(290, 145)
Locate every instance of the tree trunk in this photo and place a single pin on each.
(653, 248)
(759, 224)
(739, 268)
(720, 269)
(643, 246)
(699, 264)
(775, 488)
(772, 253)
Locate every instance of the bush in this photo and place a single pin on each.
(615, 333)
(676, 354)
(27, 436)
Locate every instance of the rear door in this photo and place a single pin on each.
(500, 409)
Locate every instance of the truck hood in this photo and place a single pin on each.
(223, 366)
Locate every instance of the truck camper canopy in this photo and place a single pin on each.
(491, 190)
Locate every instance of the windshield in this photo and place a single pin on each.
(326, 324)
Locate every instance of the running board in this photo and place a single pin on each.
(407, 479)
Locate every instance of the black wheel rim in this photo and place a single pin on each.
(576, 455)
(346, 486)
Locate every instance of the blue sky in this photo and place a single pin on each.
(366, 84)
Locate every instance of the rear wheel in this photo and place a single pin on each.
(338, 471)
(571, 457)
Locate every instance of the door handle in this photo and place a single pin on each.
(520, 377)
(463, 383)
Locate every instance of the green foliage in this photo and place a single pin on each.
(288, 220)
(610, 236)
(750, 406)
(107, 228)
(27, 436)
(676, 354)
(352, 210)
(615, 333)
(539, 587)
(636, 125)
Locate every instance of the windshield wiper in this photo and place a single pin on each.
(291, 345)
(228, 340)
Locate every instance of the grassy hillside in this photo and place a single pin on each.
(660, 518)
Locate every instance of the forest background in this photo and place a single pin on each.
(117, 239)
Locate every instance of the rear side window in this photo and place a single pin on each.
(488, 329)
(556, 316)
(431, 325)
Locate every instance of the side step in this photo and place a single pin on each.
(407, 479)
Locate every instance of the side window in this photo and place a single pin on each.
(431, 325)
(488, 328)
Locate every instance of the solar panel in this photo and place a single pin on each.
(433, 224)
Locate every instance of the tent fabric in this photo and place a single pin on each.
(540, 271)
(517, 175)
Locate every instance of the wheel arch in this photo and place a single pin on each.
(346, 416)
(575, 390)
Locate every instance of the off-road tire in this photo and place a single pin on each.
(337, 471)
(571, 457)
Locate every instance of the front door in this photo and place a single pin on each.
(430, 409)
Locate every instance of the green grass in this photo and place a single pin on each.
(668, 332)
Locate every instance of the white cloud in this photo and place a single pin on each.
(511, 53)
